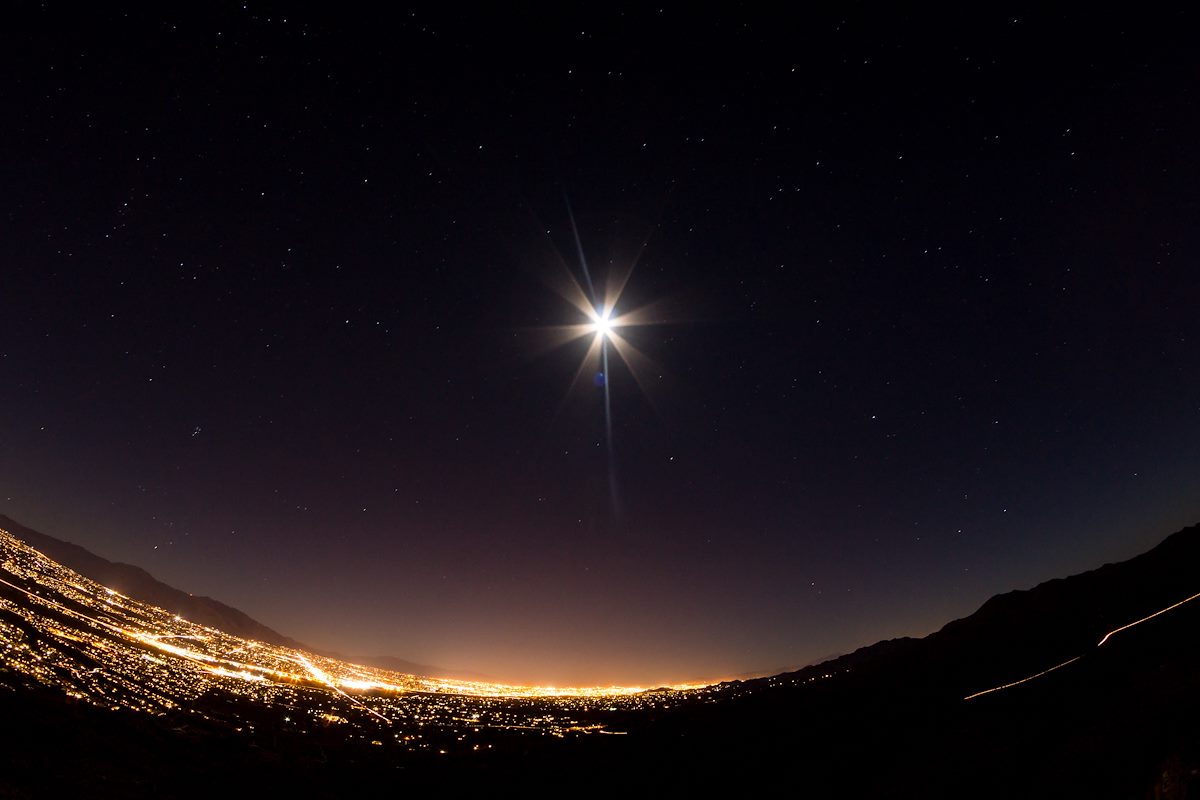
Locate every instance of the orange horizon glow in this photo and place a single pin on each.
(214, 652)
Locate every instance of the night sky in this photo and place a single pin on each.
(278, 290)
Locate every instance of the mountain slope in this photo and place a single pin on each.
(141, 585)
(895, 718)
(1021, 632)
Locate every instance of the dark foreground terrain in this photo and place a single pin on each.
(1120, 719)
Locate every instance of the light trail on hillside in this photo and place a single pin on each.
(1107, 636)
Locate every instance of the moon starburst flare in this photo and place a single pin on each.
(608, 327)
(602, 323)
(597, 303)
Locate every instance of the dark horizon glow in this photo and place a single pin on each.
(294, 314)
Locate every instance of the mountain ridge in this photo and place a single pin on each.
(136, 582)
(1117, 720)
(1022, 631)
(1084, 604)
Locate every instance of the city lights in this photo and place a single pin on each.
(99, 646)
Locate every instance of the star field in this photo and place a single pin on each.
(278, 290)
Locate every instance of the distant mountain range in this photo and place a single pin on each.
(141, 585)
(1021, 632)
(1019, 699)
(1085, 686)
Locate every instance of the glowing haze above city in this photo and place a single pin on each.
(623, 348)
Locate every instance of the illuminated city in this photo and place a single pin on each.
(65, 636)
(61, 629)
(651, 400)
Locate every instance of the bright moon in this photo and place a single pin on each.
(603, 324)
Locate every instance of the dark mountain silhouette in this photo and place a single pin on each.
(891, 719)
(139, 584)
(135, 582)
(1016, 634)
